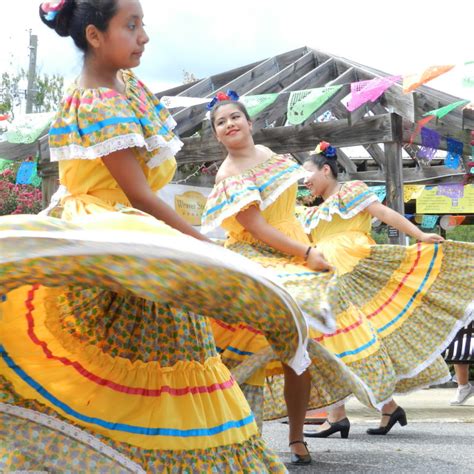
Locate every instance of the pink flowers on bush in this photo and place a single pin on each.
(17, 198)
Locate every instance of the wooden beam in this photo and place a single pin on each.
(285, 77)
(376, 129)
(347, 164)
(200, 89)
(468, 118)
(315, 78)
(190, 117)
(394, 177)
(457, 133)
(394, 185)
(431, 175)
(377, 154)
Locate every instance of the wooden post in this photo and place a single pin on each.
(394, 177)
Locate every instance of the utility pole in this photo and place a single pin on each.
(31, 90)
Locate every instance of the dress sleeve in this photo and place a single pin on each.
(260, 186)
(92, 123)
(353, 198)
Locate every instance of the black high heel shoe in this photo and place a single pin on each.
(300, 459)
(343, 426)
(398, 415)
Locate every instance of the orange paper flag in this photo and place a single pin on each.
(421, 123)
(412, 81)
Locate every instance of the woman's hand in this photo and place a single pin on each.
(430, 238)
(316, 261)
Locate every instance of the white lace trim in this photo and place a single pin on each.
(71, 432)
(316, 218)
(167, 153)
(132, 140)
(263, 203)
(170, 122)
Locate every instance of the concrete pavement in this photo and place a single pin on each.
(438, 439)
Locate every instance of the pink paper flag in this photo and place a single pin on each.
(363, 91)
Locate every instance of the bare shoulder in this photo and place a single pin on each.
(265, 151)
(225, 170)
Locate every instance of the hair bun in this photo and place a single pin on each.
(57, 15)
(330, 152)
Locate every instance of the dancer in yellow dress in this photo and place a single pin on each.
(107, 361)
(254, 201)
(399, 306)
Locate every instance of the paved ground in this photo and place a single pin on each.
(438, 439)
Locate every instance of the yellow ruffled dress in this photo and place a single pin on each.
(398, 307)
(107, 363)
(272, 186)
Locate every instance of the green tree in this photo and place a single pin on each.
(188, 77)
(48, 91)
(9, 91)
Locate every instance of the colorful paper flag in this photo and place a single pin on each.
(412, 81)
(442, 111)
(302, 104)
(4, 164)
(453, 191)
(420, 124)
(173, 102)
(430, 143)
(468, 79)
(256, 103)
(25, 172)
(379, 191)
(363, 91)
(412, 191)
(429, 221)
(455, 149)
(28, 128)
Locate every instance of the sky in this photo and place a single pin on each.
(208, 37)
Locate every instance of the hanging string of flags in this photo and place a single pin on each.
(302, 104)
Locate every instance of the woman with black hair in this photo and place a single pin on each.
(399, 306)
(107, 361)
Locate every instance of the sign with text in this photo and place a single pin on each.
(189, 203)
(431, 202)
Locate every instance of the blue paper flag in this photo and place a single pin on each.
(379, 191)
(25, 173)
(455, 149)
(429, 221)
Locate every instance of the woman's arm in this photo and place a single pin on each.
(254, 222)
(126, 170)
(393, 218)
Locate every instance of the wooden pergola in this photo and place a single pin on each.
(383, 127)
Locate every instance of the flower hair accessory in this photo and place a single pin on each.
(52, 9)
(220, 96)
(325, 149)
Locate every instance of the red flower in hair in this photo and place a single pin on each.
(222, 96)
(323, 146)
